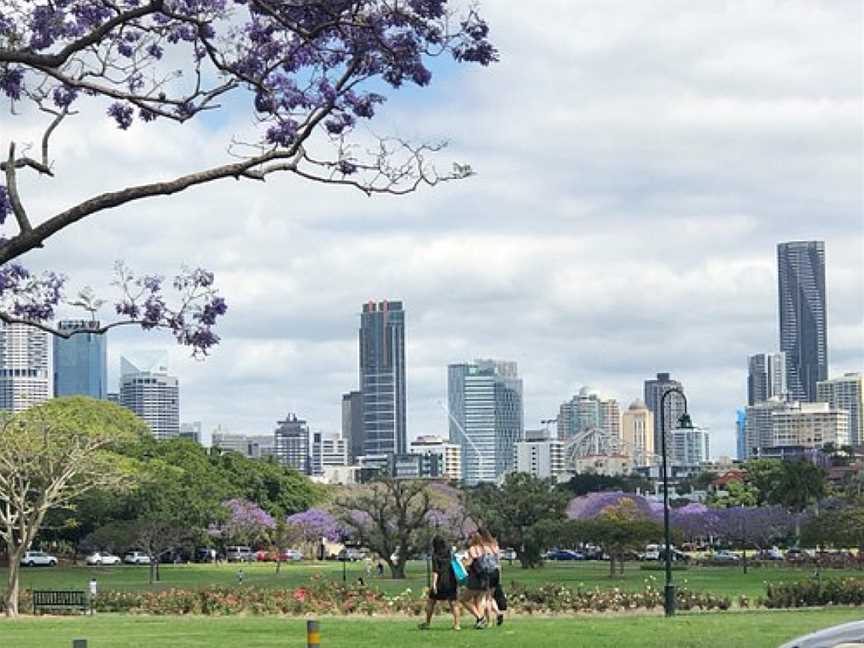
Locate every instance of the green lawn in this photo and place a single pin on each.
(729, 581)
(733, 629)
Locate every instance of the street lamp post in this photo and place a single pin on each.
(683, 423)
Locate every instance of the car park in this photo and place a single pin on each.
(239, 553)
(38, 559)
(102, 558)
(136, 558)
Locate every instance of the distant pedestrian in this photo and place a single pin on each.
(444, 585)
(380, 569)
(240, 576)
(367, 564)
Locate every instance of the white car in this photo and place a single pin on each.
(38, 558)
(102, 558)
(136, 558)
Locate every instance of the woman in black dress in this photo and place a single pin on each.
(444, 585)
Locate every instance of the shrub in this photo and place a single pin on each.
(813, 592)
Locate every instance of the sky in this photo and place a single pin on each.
(637, 164)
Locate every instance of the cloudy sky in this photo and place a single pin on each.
(638, 162)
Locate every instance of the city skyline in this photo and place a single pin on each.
(646, 244)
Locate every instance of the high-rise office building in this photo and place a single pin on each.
(148, 390)
(846, 393)
(637, 433)
(253, 446)
(810, 425)
(672, 410)
(191, 431)
(327, 451)
(741, 434)
(450, 453)
(25, 367)
(690, 446)
(587, 411)
(486, 418)
(292, 443)
(539, 454)
(382, 377)
(758, 426)
(803, 315)
(80, 361)
(352, 424)
(766, 377)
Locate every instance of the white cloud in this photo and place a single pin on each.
(638, 162)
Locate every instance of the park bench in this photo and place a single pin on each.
(64, 600)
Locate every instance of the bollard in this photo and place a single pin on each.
(79, 643)
(313, 634)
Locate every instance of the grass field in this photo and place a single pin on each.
(729, 581)
(732, 629)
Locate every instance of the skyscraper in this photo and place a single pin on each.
(352, 424)
(846, 393)
(80, 362)
(766, 377)
(292, 444)
(25, 367)
(587, 411)
(637, 433)
(486, 419)
(148, 390)
(803, 315)
(382, 377)
(674, 408)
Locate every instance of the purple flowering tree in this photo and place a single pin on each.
(589, 506)
(310, 527)
(756, 527)
(310, 73)
(245, 523)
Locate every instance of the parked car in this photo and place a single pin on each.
(725, 556)
(769, 554)
(564, 554)
(652, 552)
(351, 554)
(136, 558)
(38, 559)
(205, 555)
(507, 554)
(102, 558)
(677, 556)
(239, 554)
(795, 555)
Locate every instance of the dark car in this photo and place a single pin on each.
(564, 554)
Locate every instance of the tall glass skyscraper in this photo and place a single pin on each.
(803, 315)
(25, 367)
(486, 416)
(766, 377)
(382, 377)
(674, 408)
(80, 362)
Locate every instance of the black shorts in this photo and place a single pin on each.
(477, 582)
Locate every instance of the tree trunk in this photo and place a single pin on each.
(278, 565)
(397, 569)
(611, 565)
(621, 566)
(12, 583)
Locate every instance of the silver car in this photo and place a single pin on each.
(848, 634)
(38, 559)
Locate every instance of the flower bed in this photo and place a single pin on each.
(322, 596)
(814, 592)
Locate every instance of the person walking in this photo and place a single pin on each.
(444, 586)
(481, 563)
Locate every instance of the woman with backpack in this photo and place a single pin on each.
(444, 585)
(482, 564)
